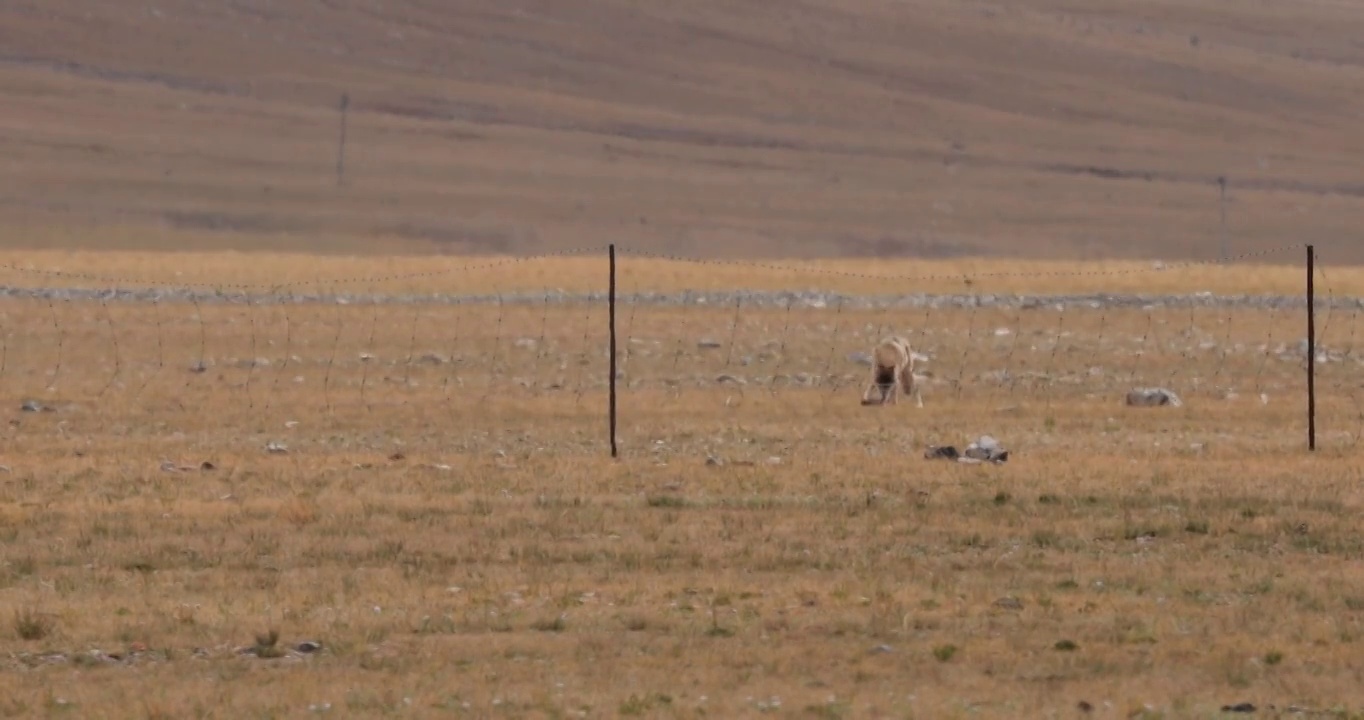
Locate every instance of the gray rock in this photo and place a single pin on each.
(745, 298)
(1009, 603)
(984, 449)
(1152, 397)
(708, 344)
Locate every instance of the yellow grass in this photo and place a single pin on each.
(456, 538)
(586, 270)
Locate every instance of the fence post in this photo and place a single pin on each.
(1311, 351)
(611, 305)
(1222, 209)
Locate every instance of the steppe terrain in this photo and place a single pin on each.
(414, 474)
(282, 448)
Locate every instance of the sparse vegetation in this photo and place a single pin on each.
(429, 519)
(32, 625)
(501, 537)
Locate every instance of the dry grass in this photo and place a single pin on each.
(459, 543)
(1279, 273)
(722, 127)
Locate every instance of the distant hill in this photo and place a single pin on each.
(802, 128)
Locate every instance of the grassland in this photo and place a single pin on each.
(447, 524)
(580, 270)
(869, 128)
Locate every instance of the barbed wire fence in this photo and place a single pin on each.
(734, 361)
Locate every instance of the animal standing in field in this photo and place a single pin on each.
(892, 372)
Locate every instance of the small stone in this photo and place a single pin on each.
(708, 344)
(1152, 397)
(1009, 603)
(276, 448)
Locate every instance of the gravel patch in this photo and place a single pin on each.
(745, 298)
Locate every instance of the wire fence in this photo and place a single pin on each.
(709, 357)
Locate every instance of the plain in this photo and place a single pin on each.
(423, 487)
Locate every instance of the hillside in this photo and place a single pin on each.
(1045, 128)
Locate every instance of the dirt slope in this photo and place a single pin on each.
(712, 127)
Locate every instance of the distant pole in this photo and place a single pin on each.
(1311, 351)
(611, 312)
(1222, 205)
(341, 143)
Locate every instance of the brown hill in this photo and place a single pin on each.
(710, 127)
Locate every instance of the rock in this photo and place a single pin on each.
(985, 449)
(1244, 707)
(882, 650)
(34, 406)
(1152, 397)
(275, 447)
(433, 359)
(1009, 603)
(708, 344)
(309, 646)
(947, 452)
(527, 343)
(730, 379)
